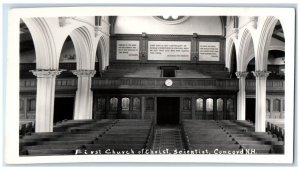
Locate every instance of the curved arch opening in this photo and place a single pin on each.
(233, 63)
(276, 56)
(67, 59)
(27, 52)
(100, 58)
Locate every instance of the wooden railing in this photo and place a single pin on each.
(272, 85)
(276, 127)
(61, 84)
(156, 83)
(159, 83)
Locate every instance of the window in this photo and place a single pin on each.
(187, 104)
(101, 104)
(31, 105)
(199, 104)
(114, 104)
(268, 105)
(230, 105)
(209, 105)
(276, 105)
(125, 103)
(136, 104)
(150, 104)
(283, 105)
(220, 105)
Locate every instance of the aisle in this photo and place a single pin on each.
(167, 139)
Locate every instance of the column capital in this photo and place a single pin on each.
(235, 32)
(261, 73)
(84, 73)
(41, 73)
(241, 74)
(253, 21)
(98, 30)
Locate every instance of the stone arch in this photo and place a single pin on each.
(230, 46)
(249, 56)
(279, 48)
(102, 46)
(245, 43)
(223, 23)
(44, 43)
(264, 42)
(85, 56)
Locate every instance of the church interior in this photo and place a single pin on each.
(151, 85)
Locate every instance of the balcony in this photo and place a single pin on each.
(157, 84)
(272, 85)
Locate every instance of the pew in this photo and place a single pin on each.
(120, 135)
(230, 134)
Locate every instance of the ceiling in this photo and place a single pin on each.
(26, 43)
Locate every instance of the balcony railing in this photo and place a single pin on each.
(156, 83)
(61, 84)
(272, 85)
(159, 83)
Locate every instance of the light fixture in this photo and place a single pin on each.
(166, 16)
(174, 16)
(171, 19)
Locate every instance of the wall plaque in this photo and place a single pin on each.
(169, 50)
(128, 50)
(209, 51)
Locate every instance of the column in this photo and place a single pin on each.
(45, 99)
(241, 103)
(260, 107)
(84, 94)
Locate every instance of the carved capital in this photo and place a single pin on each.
(253, 21)
(235, 33)
(261, 73)
(46, 73)
(241, 74)
(98, 30)
(84, 73)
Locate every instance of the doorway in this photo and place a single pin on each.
(63, 108)
(168, 110)
(250, 109)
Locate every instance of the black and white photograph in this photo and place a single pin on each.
(184, 84)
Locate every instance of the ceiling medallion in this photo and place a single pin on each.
(171, 19)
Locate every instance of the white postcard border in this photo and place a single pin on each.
(11, 144)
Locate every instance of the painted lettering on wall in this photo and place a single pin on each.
(169, 50)
(209, 51)
(128, 50)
